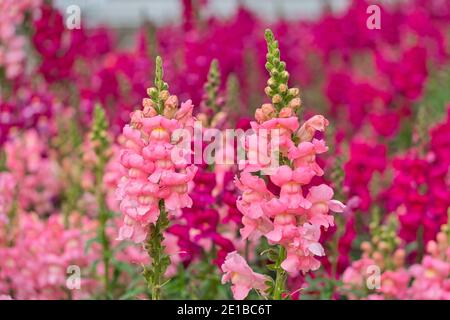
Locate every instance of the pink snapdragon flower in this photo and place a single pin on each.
(243, 279)
(432, 275)
(302, 250)
(285, 216)
(290, 182)
(394, 284)
(36, 266)
(355, 276)
(12, 45)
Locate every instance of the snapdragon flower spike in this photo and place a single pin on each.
(286, 218)
(153, 175)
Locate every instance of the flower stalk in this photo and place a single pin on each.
(100, 141)
(280, 278)
(155, 249)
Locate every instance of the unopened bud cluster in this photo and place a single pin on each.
(277, 89)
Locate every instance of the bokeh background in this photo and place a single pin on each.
(385, 92)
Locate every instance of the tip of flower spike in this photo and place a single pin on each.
(159, 73)
(212, 86)
(158, 62)
(159, 93)
(214, 65)
(282, 97)
(268, 35)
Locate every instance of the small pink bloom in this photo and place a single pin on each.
(321, 199)
(290, 182)
(243, 279)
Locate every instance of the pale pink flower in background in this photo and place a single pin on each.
(12, 45)
(394, 284)
(36, 266)
(33, 170)
(431, 279)
(355, 276)
(172, 249)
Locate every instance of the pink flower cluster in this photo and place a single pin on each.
(34, 172)
(420, 189)
(432, 275)
(427, 280)
(288, 218)
(7, 196)
(36, 266)
(153, 174)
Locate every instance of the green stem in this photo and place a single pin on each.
(280, 279)
(12, 214)
(155, 249)
(103, 219)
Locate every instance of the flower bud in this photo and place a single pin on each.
(276, 99)
(294, 92)
(147, 102)
(383, 246)
(295, 103)
(282, 88)
(442, 239)
(172, 102)
(164, 95)
(399, 258)
(151, 91)
(149, 112)
(378, 258)
(259, 115)
(268, 110)
(170, 106)
(286, 112)
(432, 248)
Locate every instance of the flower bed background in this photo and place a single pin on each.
(67, 94)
